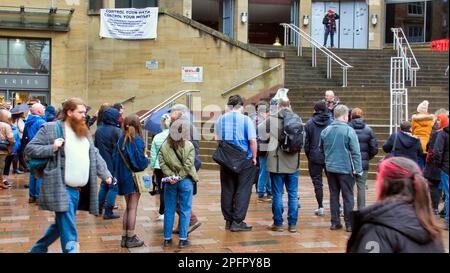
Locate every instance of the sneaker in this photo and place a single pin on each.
(242, 226)
(319, 212)
(7, 184)
(194, 227)
(277, 228)
(18, 172)
(161, 217)
(133, 242)
(262, 199)
(227, 225)
(184, 243)
(124, 241)
(292, 229)
(3, 186)
(167, 243)
(335, 226)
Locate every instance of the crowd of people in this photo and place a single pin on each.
(261, 148)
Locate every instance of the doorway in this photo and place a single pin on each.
(24, 96)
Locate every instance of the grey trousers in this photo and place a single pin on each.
(361, 190)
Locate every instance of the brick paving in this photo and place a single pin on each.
(21, 224)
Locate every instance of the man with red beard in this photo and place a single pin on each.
(70, 177)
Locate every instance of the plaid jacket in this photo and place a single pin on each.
(54, 196)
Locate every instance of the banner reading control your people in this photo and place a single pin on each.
(129, 24)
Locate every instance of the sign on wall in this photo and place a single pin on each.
(129, 24)
(24, 81)
(192, 74)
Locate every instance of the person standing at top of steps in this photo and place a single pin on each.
(329, 21)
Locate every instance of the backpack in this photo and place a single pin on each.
(291, 140)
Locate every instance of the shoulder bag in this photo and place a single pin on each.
(141, 179)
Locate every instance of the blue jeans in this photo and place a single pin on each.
(35, 186)
(64, 227)
(331, 33)
(291, 182)
(182, 192)
(108, 192)
(444, 182)
(264, 182)
(421, 162)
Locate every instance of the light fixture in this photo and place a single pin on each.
(305, 20)
(244, 17)
(374, 19)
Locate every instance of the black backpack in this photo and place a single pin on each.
(291, 140)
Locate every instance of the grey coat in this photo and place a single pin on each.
(54, 196)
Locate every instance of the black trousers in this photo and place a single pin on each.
(14, 159)
(315, 171)
(159, 176)
(435, 193)
(337, 183)
(236, 192)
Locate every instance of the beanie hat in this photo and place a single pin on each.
(330, 11)
(444, 120)
(320, 106)
(423, 107)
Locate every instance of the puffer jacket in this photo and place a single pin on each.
(313, 128)
(367, 141)
(390, 228)
(422, 125)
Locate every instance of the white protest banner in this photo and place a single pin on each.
(129, 24)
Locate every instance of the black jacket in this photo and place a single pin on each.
(367, 141)
(390, 228)
(440, 150)
(407, 146)
(432, 172)
(313, 128)
(107, 135)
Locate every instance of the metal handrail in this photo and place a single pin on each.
(167, 102)
(249, 80)
(316, 45)
(402, 51)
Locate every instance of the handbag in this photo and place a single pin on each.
(4, 144)
(37, 165)
(141, 179)
(229, 155)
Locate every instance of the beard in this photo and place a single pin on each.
(79, 127)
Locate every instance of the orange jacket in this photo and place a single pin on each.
(422, 124)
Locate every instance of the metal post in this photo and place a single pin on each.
(328, 67)
(313, 56)
(285, 34)
(344, 77)
(189, 100)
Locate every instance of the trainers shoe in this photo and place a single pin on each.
(18, 172)
(6, 183)
(167, 243)
(227, 225)
(292, 229)
(335, 226)
(319, 212)
(242, 226)
(161, 217)
(133, 242)
(262, 199)
(124, 241)
(194, 227)
(276, 228)
(184, 243)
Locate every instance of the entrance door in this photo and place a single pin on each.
(361, 25)
(228, 18)
(294, 19)
(335, 7)
(346, 32)
(22, 97)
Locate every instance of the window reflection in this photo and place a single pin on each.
(24, 56)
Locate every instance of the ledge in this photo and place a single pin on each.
(221, 36)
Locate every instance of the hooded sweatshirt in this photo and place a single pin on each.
(406, 145)
(390, 228)
(107, 135)
(313, 128)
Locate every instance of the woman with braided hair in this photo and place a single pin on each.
(401, 220)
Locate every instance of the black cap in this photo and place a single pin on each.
(320, 106)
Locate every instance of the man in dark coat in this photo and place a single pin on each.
(106, 137)
(329, 21)
(316, 160)
(368, 146)
(406, 144)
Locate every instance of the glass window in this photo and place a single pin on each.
(29, 56)
(136, 3)
(3, 55)
(95, 6)
(415, 8)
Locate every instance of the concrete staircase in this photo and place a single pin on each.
(368, 89)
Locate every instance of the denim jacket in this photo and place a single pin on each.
(340, 145)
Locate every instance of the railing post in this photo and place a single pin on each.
(189, 100)
(328, 67)
(313, 56)
(344, 77)
(285, 34)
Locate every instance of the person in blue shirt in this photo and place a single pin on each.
(236, 128)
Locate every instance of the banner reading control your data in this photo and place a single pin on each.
(129, 24)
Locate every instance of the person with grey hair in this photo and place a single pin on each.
(340, 146)
(332, 101)
(182, 113)
(158, 175)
